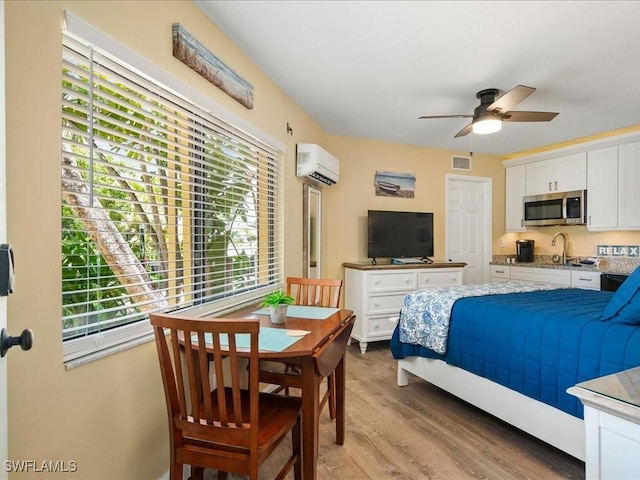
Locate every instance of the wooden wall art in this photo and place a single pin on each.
(188, 50)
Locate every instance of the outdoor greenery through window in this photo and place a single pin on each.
(164, 206)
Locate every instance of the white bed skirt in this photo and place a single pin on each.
(547, 423)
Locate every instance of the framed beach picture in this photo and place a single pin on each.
(392, 184)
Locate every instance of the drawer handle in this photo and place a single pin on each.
(407, 281)
(426, 280)
(499, 271)
(585, 279)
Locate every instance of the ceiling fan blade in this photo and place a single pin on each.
(445, 116)
(465, 131)
(529, 116)
(510, 99)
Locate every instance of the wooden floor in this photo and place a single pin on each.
(420, 432)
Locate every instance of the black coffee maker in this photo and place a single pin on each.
(524, 250)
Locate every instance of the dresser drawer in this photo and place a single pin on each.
(500, 271)
(390, 281)
(389, 304)
(380, 327)
(438, 279)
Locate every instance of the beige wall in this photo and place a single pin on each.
(108, 415)
(346, 204)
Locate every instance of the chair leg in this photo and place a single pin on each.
(176, 471)
(222, 475)
(296, 442)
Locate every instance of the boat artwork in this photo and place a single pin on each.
(391, 184)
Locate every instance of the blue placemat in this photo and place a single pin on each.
(302, 311)
(269, 339)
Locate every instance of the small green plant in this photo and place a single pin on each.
(276, 298)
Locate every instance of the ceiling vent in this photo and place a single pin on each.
(461, 163)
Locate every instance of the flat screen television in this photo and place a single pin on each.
(399, 234)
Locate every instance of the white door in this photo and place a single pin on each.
(468, 231)
(3, 238)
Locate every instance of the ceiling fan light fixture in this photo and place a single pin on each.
(485, 126)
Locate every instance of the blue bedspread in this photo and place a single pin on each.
(537, 343)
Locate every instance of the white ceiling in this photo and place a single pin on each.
(370, 68)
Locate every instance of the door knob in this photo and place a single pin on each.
(25, 340)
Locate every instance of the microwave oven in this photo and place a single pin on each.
(561, 208)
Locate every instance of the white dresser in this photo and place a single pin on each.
(375, 293)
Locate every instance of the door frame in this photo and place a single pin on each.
(487, 217)
(4, 436)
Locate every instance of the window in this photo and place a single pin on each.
(164, 206)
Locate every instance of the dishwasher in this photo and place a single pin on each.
(611, 281)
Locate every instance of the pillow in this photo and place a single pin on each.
(624, 306)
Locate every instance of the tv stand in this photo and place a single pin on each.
(375, 293)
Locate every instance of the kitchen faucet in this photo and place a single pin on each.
(564, 245)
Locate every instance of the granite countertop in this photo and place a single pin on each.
(623, 266)
(557, 266)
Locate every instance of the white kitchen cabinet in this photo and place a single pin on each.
(515, 182)
(500, 273)
(375, 294)
(602, 189)
(585, 279)
(561, 174)
(546, 275)
(628, 186)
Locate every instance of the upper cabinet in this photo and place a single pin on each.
(562, 174)
(608, 168)
(613, 200)
(514, 191)
(602, 188)
(628, 185)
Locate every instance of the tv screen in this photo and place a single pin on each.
(399, 234)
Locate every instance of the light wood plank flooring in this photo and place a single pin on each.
(421, 432)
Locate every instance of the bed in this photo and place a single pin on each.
(515, 354)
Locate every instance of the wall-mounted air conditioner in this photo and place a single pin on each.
(316, 165)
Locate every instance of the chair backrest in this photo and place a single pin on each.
(193, 410)
(317, 292)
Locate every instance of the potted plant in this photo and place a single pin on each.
(277, 303)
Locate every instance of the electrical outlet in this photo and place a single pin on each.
(502, 243)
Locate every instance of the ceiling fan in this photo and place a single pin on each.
(489, 115)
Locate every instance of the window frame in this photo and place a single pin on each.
(83, 349)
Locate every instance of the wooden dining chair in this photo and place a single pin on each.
(213, 422)
(316, 292)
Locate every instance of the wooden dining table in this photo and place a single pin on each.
(317, 353)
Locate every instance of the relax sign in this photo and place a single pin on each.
(618, 251)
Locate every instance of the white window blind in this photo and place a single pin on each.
(164, 206)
